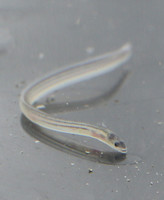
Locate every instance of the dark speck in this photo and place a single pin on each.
(90, 171)
(116, 101)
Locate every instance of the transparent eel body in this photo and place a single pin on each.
(71, 75)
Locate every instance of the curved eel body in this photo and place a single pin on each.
(71, 75)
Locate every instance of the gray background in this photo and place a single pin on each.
(38, 36)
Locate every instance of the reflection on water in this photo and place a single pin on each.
(51, 106)
(62, 143)
(70, 147)
(95, 155)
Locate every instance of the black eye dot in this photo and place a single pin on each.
(117, 144)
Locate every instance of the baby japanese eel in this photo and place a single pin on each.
(71, 75)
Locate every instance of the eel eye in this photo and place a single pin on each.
(116, 144)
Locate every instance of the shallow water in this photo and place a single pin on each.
(46, 35)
